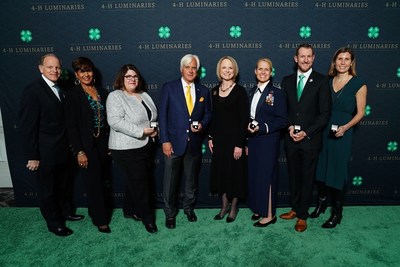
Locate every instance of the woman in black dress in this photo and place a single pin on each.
(227, 139)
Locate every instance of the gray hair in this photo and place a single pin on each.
(186, 59)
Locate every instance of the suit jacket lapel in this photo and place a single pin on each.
(197, 97)
(181, 95)
(48, 91)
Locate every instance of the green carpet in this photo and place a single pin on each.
(368, 236)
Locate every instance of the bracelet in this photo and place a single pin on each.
(80, 153)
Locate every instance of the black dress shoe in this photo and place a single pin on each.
(61, 231)
(170, 222)
(151, 228)
(133, 216)
(258, 224)
(191, 216)
(105, 230)
(74, 217)
(255, 217)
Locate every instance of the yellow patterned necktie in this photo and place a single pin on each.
(189, 101)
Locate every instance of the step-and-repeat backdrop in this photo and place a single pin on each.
(155, 34)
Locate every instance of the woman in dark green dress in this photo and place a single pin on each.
(349, 97)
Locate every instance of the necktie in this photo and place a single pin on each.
(300, 86)
(60, 95)
(189, 101)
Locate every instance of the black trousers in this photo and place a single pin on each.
(95, 176)
(302, 164)
(136, 165)
(54, 193)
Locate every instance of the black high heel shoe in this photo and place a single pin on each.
(220, 216)
(334, 220)
(230, 219)
(255, 217)
(336, 216)
(320, 208)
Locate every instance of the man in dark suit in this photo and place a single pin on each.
(309, 106)
(184, 113)
(46, 144)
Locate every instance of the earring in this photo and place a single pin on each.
(77, 82)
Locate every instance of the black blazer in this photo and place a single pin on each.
(42, 124)
(313, 110)
(79, 117)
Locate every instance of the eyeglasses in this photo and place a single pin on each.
(131, 77)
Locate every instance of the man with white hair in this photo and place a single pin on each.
(184, 113)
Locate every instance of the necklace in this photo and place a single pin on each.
(340, 91)
(95, 104)
(98, 118)
(226, 89)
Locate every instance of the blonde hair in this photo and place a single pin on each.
(235, 67)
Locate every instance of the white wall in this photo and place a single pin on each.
(5, 177)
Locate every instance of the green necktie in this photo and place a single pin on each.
(300, 86)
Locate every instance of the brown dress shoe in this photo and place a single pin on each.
(288, 215)
(301, 225)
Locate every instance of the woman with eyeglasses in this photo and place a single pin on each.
(85, 106)
(130, 113)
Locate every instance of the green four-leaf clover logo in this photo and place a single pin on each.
(357, 180)
(201, 73)
(26, 36)
(367, 110)
(373, 32)
(235, 31)
(392, 146)
(398, 73)
(305, 32)
(203, 148)
(64, 75)
(94, 34)
(164, 32)
(273, 72)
